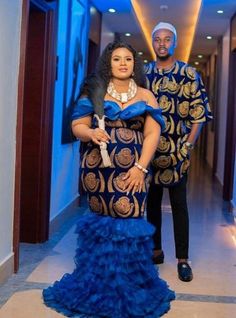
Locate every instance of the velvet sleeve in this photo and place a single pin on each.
(82, 108)
(156, 114)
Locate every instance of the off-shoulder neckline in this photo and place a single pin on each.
(108, 101)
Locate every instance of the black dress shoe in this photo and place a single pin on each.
(185, 272)
(159, 259)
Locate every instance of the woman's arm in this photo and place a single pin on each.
(152, 130)
(82, 130)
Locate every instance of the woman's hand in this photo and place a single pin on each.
(98, 135)
(134, 180)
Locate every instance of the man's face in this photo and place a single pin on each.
(164, 44)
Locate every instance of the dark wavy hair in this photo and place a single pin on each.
(103, 73)
(95, 85)
(103, 67)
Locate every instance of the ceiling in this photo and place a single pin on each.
(194, 20)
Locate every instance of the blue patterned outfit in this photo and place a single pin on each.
(114, 275)
(182, 97)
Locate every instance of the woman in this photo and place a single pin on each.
(114, 275)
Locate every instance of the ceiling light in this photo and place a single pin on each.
(209, 37)
(220, 11)
(140, 53)
(200, 56)
(127, 34)
(163, 7)
(196, 63)
(145, 61)
(112, 10)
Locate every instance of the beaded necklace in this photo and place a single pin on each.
(123, 97)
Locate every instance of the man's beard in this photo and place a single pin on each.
(163, 58)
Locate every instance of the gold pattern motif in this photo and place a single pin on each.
(162, 162)
(164, 145)
(183, 109)
(123, 207)
(91, 182)
(166, 176)
(124, 158)
(125, 135)
(93, 158)
(119, 183)
(164, 103)
(190, 71)
(197, 111)
(95, 205)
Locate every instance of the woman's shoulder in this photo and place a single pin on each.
(147, 96)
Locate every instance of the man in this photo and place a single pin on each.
(181, 95)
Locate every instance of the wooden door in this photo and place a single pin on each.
(34, 122)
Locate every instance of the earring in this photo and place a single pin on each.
(132, 74)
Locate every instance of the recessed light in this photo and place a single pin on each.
(220, 11)
(163, 7)
(140, 53)
(127, 34)
(200, 56)
(145, 61)
(112, 10)
(209, 37)
(196, 63)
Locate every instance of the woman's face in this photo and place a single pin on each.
(122, 63)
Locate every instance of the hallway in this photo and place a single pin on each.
(211, 294)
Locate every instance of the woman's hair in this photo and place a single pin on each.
(95, 85)
(103, 68)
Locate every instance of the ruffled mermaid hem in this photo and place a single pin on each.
(114, 275)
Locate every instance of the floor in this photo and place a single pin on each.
(211, 294)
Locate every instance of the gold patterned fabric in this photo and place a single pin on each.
(182, 97)
(105, 185)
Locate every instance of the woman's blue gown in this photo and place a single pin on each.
(114, 276)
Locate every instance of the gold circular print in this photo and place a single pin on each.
(93, 158)
(167, 176)
(197, 112)
(124, 158)
(119, 183)
(125, 135)
(94, 204)
(123, 206)
(162, 162)
(91, 182)
(164, 103)
(173, 87)
(183, 109)
(163, 146)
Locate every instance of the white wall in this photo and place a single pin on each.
(223, 103)
(65, 158)
(10, 18)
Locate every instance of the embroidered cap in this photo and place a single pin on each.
(167, 26)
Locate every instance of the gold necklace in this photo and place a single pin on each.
(123, 97)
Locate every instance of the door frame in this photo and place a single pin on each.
(41, 4)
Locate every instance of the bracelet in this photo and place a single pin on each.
(140, 167)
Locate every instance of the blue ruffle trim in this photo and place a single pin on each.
(114, 275)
